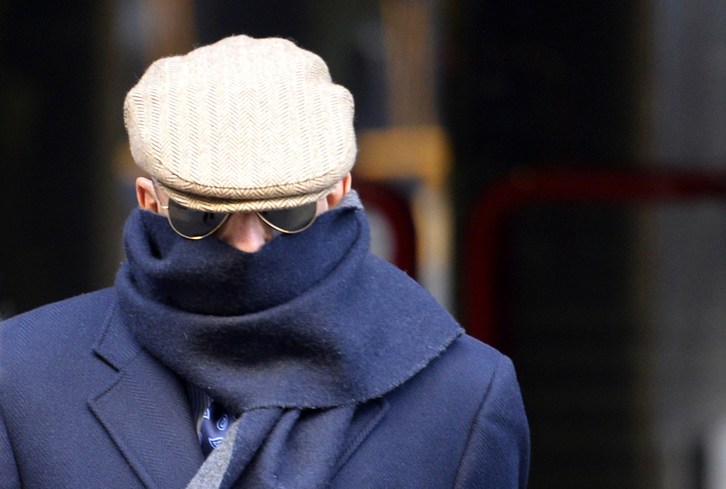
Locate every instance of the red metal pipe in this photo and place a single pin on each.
(486, 237)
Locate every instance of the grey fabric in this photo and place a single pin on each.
(211, 474)
(230, 465)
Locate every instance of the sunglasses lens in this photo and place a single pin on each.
(291, 220)
(194, 224)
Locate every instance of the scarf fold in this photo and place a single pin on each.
(291, 337)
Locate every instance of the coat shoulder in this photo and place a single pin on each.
(463, 376)
(470, 364)
(54, 330)
(458, 423)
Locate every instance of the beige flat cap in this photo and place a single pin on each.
(242, 125)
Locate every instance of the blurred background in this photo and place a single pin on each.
(553, 172)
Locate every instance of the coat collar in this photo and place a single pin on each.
(116, 345)
(145, 411)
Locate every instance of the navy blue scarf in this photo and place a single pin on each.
(311, 323)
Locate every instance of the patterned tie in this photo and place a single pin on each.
(213, 427)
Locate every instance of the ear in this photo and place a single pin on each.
(146, 196)
(340, 190)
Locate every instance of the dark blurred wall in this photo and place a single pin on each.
(274, 18)
(47, 145)
(536, 85)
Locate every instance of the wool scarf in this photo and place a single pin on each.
(290, 338)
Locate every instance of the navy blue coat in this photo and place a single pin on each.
(82, 405)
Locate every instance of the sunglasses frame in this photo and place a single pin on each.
(266, 220)
(215, 228)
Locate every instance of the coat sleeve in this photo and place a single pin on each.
(498, 448)
(8, 470)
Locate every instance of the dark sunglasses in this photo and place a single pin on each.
(195, 224)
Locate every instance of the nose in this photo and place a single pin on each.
(245, 231)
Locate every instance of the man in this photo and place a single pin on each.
(251, 340)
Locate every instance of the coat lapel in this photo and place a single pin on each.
(146, 412)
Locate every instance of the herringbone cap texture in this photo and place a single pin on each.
(242, 125)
